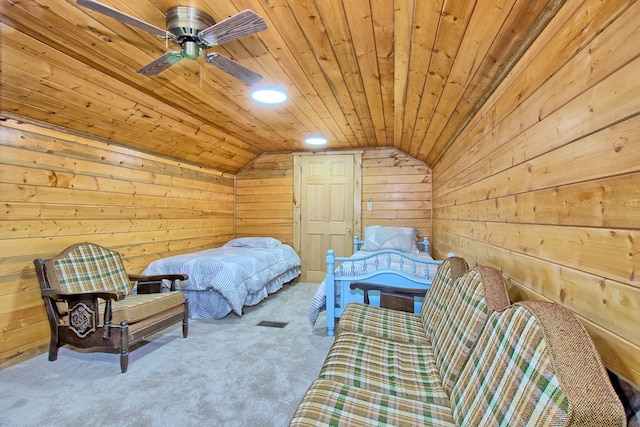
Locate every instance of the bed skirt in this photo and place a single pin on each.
(210, 304)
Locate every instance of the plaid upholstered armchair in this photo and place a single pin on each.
(89, 302)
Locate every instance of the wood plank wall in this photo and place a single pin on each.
(264, 198)
(58, 189)
(398, 188)
(397, 185)
(544, 182)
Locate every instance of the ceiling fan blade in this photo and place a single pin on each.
(123, 17)
(230, 66)
(242, 24)
(157, 66)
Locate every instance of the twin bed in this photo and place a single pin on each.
(242, 272)
(387, 256)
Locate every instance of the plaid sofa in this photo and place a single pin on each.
(477, 361)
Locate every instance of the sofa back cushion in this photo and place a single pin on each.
(471, 298)
(434, 303)
(534, 364)
(87, 267)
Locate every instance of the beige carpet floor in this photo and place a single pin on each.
(228, 372)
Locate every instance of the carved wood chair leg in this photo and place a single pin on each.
(124, 347)
(185, 320)
(53, 350)
(124, 360)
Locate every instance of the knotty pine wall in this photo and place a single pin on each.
(58, 189)
(544, 182)
(264, 198)
(397, 186)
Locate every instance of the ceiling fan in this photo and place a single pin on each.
(194, 31)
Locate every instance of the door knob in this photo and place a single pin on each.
(348, 229)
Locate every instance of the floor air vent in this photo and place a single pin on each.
(272, 324)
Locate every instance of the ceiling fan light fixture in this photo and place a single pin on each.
(190, 50)
(315, 140)
(269, 95)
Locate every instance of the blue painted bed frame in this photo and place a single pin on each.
(381, 276)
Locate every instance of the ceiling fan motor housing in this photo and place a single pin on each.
(185, 23)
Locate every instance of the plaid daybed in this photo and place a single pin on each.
(482, 363)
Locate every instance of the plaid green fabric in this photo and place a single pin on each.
(400, 326)
(328, 403)
(381, 322)
(88, 267)
(456, 333)
(388, 367)
(434, 304)
(509, 379)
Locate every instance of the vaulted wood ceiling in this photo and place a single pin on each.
(377, 73)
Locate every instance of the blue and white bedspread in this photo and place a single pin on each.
(365, 264)
(225, 279)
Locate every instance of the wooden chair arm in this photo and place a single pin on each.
(143, 278)
(105, 295)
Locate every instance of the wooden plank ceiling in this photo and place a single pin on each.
(378, 73)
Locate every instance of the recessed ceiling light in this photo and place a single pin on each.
(315, 140)
(269, 95)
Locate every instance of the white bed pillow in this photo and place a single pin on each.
(253, 242)
(402, 239)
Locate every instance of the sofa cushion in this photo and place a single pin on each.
(402, 326)
(382, 322)
(389, 367)
(534, 364)
(471, 298)
(434, 305)
(331, 403)
(135, 308)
